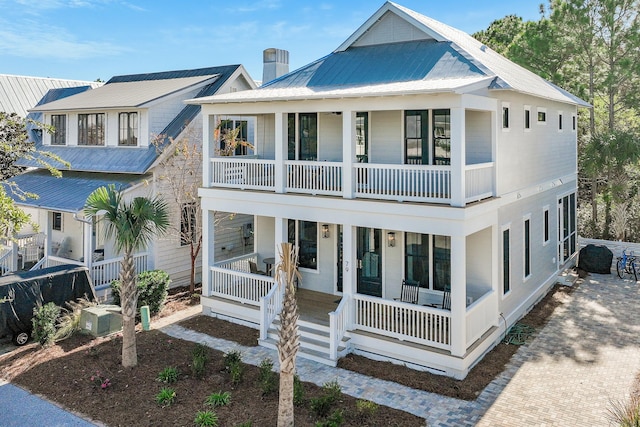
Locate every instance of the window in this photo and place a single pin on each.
(362, 137)
(442, 137)
(542, 116)
(426, 253)
(566, 227)
(506, 263)
(573, 122)
(302, 136)
(59, 124)
(505, 117)
(527, 247)
(304, 234)
(527, 118)
(416, 134)
(560, 121)
(128, 123)
(545, 217)
(56, 221)
(241, 148)
(188, 224)
(91, 129)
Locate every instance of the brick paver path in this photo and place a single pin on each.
(587, 355)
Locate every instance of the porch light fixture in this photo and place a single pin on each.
(391, 239)
(325, 231)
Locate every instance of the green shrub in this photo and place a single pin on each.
(218, 399)
(233, 365)
(321, 406)
(237, 372)
(366, 409)
(168, 375)
(298, 391)
(332, 389)
(336, 419)
(69, 320)
(206, 419)
(165, 397)
(200, 351)
(200, 355)
(44, 323)
(152, 286)
(267, 378)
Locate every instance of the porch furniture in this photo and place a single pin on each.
(253, 268)
(409, 292)
(446, 302)
(268, 262)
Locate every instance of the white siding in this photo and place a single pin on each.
(330, 137)
(265, 136)
(478, 136)
(390, 29)
(229, 235)
(161, 114)
(478, 262)
(385, 137)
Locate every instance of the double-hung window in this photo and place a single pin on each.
(91, 129)
(128, 124)
(506, 260)
(527, 246)
(59, 124)
(428, 260)
(302, 135)
(304, 234)
(241, 146)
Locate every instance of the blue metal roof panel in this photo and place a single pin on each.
(178, 74)
(69, 193)
(394, 62)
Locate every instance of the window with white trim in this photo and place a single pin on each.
(505, 115)
(527, 245)
(542, 116)
(91, 129)
(304, 234)
(59, 134)
(546, 235)
(527, 117)
(560, 121)
(56, 221)
(506, 259)
(128, 129)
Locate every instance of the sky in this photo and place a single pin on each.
(91, 39)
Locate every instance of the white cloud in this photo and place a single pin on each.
(255, 6)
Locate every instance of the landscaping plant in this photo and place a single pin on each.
(44, 323)
(298, 391)
(168, 375)
(165, 397)
(218, 399)
(267, 378)
(233, 365)
(69, 320)
(153, 288)
(206, 419)
(100, 381)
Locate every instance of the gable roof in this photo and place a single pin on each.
(138, 160)
(427, 56)
(20, 93)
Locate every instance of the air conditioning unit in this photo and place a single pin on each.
(101, 320)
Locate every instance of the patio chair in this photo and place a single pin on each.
(253, 268)
(409, 292)
(446, 301)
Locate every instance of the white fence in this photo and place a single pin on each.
(105, 272)
(403, 182)
(478, 181)
(243, 172)
(314, 177)
(239, 263)
(239, 286)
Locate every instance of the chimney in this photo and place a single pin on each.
(275, 64)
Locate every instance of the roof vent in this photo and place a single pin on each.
(483, 48)
(275, 64)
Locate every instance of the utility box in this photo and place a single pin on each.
(101, 320)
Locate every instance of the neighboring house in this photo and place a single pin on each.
(411, 153)
(107, 135)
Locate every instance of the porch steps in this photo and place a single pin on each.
(314, 341)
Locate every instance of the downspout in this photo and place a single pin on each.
(88, 228)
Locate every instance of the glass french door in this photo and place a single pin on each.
(566, 227)
(416, 137)
(369, 252)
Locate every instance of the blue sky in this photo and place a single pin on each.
(90, 39)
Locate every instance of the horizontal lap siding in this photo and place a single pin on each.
(478, 137)
(330, 137)
(385, 137)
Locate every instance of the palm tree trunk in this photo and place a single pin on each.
(287, 351)
(129, 302)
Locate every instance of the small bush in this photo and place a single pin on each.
(165, 397)
(200, 355)
(332, 389)
(168, 375)
(321, 406)
(152, 286)
(233, 365)
(366, 408)
(298, 391)
(69, 319)
(267, 378)
(218, 399)
(200, 351)
(237, 372)
(335, 420)
(44, 323)
(206, 419)
(625, 413)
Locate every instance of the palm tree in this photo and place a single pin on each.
(288, 339)
(131, 225)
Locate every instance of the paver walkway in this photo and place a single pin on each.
(586, 356)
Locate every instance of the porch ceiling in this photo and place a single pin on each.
(69, 193)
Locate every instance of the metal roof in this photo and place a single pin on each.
(445, 60)
(133, 160)
(69, 193)
(20, 93)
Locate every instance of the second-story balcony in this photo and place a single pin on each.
(443, 156)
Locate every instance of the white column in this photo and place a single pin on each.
(349, 269)
(281, 235)
(458, 296)
(494, 150)
(348, 153)
(47, 233)
(208, 249)
(458, 160)
(87, 229)
(281, 153)
(14, 258)
(206, 150)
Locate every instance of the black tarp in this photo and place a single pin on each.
(595, 259)
(58, 284)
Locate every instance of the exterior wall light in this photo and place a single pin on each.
(391, 239)
(325, 231)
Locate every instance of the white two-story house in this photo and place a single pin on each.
(110, 135)
(412, 154)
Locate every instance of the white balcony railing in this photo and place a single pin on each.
(246, 288)
(407, 322)
(479, 181)
(338, 323)
(403, 182)
(481, 316)
(243, 173)
(314, 177)
(239, 263)
(105, 272)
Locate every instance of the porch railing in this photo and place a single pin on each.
(481, 315)
(105, 272)
(6, 259)
(243, 172)
(246, 288)
(53, 261)
(338, 323)
(407, 322)
(478, 181)
(314, 177)
(239, 263)
(270, 307)
(419, 183)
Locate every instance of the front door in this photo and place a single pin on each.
(339, 259)
(369, 251)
